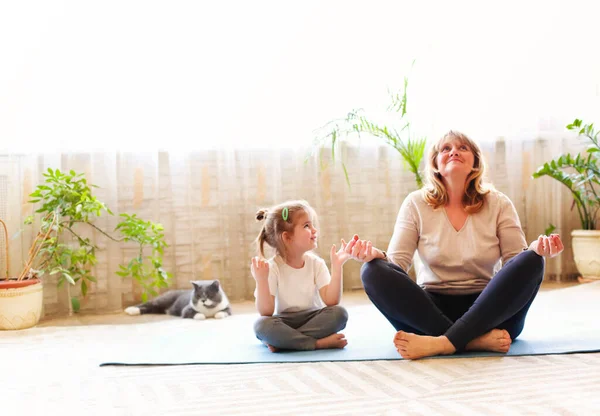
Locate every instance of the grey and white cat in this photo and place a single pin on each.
(205, 300)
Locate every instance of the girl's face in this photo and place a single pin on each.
(455, 158)
(304, 237)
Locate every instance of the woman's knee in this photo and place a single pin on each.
(535, 264)
(380, 276)
(371, 272)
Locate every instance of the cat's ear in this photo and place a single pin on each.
(195, 285)
(215, 285)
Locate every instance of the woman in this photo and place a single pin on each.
(461, 228)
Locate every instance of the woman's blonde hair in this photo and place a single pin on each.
(278, 220)
(435, 192)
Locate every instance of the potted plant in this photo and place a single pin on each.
(21, 297)
(68, 208)
(581, 175)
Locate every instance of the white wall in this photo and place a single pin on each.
(191, 74)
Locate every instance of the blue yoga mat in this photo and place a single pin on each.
(559, 322)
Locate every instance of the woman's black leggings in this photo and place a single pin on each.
(503, 304)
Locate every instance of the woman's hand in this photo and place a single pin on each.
(361, 250)
(547, 246)
(259, 269)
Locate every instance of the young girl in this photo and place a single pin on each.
(296, 296)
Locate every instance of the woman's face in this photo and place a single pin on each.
(455, 159)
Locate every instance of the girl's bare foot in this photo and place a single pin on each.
(332, 341)
(413, 346)
(497, 340)
(270, 347)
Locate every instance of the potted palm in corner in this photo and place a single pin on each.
(581, 174)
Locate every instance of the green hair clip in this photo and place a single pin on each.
(284, 214)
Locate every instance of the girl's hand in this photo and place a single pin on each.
(361, 250)
(547, 246)
(259, 269)
(339, 257)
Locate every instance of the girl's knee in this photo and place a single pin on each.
(337, 317)
(264, 324)
(340, 314)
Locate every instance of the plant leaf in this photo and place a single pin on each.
(68, 277)
(75, 304)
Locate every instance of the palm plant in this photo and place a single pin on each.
(411, 149)
(581, 174)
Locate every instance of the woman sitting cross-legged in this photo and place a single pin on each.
(460, 228)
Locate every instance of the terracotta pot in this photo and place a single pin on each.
(14, 284)
(20, 303)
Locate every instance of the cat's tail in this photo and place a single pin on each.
(159, 305)
(153, 306)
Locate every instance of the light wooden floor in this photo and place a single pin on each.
(53, 370)
(350, 298)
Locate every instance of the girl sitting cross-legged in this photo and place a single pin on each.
(297, 298)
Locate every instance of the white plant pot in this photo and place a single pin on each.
(586, 251)
(20, 307)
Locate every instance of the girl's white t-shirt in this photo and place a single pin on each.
(297, 290)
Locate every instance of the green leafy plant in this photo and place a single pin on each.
(149, 274)
(397, 135)
(67, 207)
(580, 174)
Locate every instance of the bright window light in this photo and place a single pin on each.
(188, 75)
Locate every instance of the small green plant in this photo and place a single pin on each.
(581, 174)
(149, 274)
(397, 136)
(67, 207)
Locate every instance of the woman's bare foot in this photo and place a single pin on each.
(413, 346)
(332, 341)
(497, 340)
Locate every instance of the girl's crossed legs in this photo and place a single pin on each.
(305, 330)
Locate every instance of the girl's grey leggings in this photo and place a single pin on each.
(300, 330)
